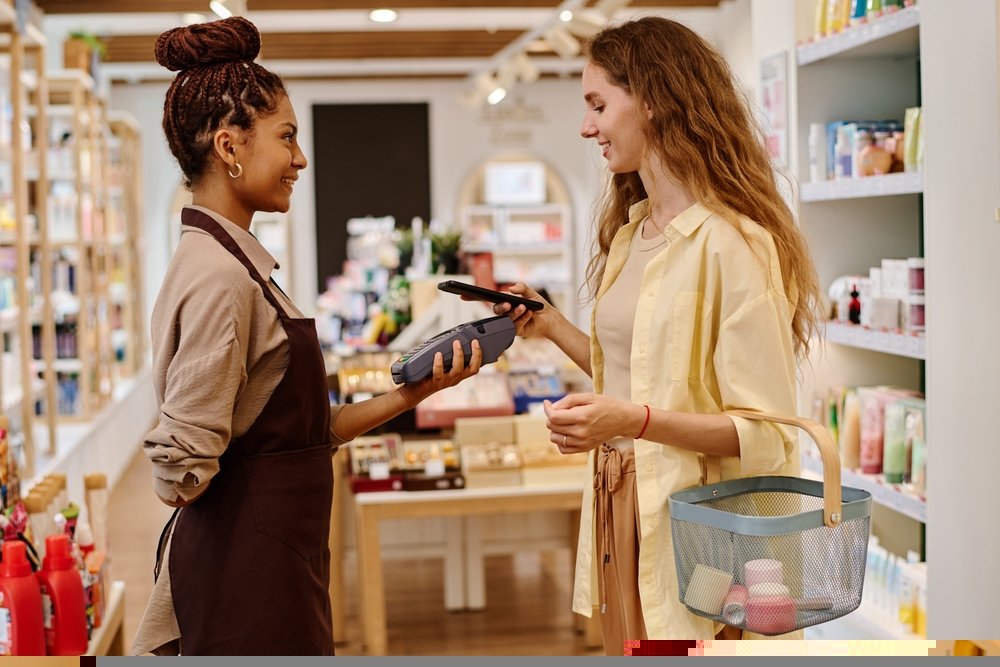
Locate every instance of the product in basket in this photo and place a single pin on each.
(707, 589)
(734, 607)
(771, 615)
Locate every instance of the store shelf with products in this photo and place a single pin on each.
(856, 188)
(906, 344)
(893, 496)
(858, 145)
(895, 34)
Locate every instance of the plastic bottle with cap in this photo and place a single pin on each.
(63, 606)
(21, 604)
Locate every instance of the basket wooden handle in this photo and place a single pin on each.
(828, 452)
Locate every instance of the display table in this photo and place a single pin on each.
(109, 639)
(373, 507)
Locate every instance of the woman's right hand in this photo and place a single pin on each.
(528, 322)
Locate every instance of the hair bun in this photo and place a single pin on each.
(230, 40)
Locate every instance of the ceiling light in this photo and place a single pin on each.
(219, 7)
(191, 18)
(562, 42)
(496, 96)
(585, 25)
(526, 70)
(383, 16)
(609, 7)
(566, 16)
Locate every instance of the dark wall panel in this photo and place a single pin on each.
(370, 159)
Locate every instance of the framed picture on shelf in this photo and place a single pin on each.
(515, 183)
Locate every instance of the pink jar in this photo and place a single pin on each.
(916, 271)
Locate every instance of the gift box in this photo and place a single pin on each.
(364, 484)
(418, 481)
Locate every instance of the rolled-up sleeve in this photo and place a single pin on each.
(195, 424)
(755, 363)
(201, 337)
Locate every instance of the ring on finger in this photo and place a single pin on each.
(564, 440)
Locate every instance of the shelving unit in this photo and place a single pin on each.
(904, 344)
(894, 34)
(857, 188)
(868, 72)
(532, 244)
(893, 496)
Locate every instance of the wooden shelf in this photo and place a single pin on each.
(903, 344)
(893, 35)
(888, 495)
(869, 186)
(555, 249)
(63, 365)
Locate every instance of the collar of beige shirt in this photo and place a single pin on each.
(248, 243)
(686, 223)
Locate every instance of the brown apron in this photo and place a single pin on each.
(250, 559)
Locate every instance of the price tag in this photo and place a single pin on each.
(434, 468)
(378, 470)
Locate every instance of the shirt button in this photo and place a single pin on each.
(649, 579)
(651, 293)
(642, 350)
(649, 466)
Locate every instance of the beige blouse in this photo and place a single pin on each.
(616, 317)
(219, 351)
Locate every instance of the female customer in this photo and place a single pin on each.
(705, 294)
(246, 432)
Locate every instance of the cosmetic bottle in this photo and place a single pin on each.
(20, 604)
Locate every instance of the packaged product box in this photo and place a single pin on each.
(485, 394)
(364, 484)
(484, 430)
(379, 449)
(416, 454)
(491, 465)
(96, 563)
(418, 481)
(894, 443)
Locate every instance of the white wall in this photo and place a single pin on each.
(460, 140)
(958, 46)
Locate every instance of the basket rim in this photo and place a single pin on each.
(856, 504)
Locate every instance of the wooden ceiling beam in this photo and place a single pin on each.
(180, 6)
(344, 45)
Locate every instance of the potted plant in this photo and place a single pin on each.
(445, 247)
(404, 243)
(82, 51)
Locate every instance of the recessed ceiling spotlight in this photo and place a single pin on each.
(191, 18)
(383, 16)
(566, 16)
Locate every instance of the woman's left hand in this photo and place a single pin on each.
(581, 422)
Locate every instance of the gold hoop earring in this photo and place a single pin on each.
(239, 171)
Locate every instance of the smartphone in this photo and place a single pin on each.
(483, 294)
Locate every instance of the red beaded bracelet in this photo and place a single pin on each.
(638, 437)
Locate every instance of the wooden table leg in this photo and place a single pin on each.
(337, 547)
(371, 586)
(454, 564)
(475, 575)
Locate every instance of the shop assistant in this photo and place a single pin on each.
(246, 433)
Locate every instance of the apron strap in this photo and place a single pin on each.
(163, 543)
(207, 223)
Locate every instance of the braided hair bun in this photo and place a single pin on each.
(230, 40)
(219, 84)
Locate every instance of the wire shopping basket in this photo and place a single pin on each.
(773, 554)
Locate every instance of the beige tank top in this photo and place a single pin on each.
(615, 319)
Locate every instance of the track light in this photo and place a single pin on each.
(586, 24)
(220, 9)
(192, 18)
(565, 16)
(562, 42)
(228, 8)
(526, 70)
(609, 7)
(496, 96)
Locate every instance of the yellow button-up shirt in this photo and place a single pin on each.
(712, 333)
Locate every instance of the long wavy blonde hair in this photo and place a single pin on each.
(703, 127)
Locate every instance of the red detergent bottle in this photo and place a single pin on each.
(22, 604)
(64, 612)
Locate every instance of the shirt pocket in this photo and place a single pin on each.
(292, 496)
(686, 326)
